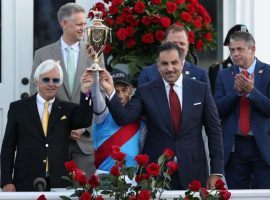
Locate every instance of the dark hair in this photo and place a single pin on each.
(243, 36)
(175, 28)
(167, 46)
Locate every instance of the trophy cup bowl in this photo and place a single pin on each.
(96, 36)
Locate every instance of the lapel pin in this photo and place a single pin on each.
(59, 107)
(187, 72)
(260, 71)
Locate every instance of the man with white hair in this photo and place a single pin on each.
(37, 133)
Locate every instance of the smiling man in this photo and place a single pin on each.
(73, 57)
(175, 107)
(37, 133)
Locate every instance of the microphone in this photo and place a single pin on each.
(39, 184)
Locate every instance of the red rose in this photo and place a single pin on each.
(153, 169)
(191, 9)
(199, 45)
(85, 196)
(109, 21)
(117, 2)
(130, 31)
(171, 7)
(127, 11)
(203, 192)
(179, 24)
(155, 19)
(100, 6)
(71, 166)
(208, 36)
(197, 23)
(135, 22)
(186, 16)
(132, 197)
(94, 181)
(165, 22)
(191, 37)
(168, 153)
(146, 20)
(225, 194)
(115, 171)
(148, 38)
(130, 43)
(107, 49)
(42, 197)
(142, 159)
(144, 195)
(180, 1)
(119, 20)
(172, 167)
(80, 178)
(195, 186)
(139, 7)
(99, 197)
(121, 34)
(113, 10)
(207, 19)
(156, 2)
(118, 156)
(159, 34)
(219, 185)
(129, 19)
(115, 149)
(141, 177)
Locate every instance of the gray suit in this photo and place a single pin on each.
(82, 150)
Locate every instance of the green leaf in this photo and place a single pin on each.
(64, 198)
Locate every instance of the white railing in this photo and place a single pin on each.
(236, 195)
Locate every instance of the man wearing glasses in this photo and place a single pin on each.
(37, 134)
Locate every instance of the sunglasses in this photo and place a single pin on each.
(46, 80)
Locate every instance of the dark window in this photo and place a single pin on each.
(46, 27)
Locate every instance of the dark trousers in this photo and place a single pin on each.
(246, 169)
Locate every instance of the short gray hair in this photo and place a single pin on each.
(66, 11)
(47, 66)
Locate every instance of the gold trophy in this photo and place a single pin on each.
(96, 36)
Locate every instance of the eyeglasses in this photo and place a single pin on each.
(46, 80)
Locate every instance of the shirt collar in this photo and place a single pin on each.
(75, 46)
(41, 100)
(178, 83)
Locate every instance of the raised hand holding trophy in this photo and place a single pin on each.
(96, 36)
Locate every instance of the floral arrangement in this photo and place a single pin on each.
(138, 27)
(149, 182)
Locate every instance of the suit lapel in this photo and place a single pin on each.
(162, 104)
(258, 74)
(55, 114)
(33, 111)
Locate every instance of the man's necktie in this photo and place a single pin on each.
(175, 109)
(45, 120)
(45, 117)
(244, 121)
(70, 67)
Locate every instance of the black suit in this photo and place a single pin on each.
(24, 135)
(198, 109)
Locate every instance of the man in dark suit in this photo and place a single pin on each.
(243, 100)
(166, 129)
(178, 35)
(72, 19)
(37, 137)
(213, 69)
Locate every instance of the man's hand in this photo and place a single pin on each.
(87, 81)
(9, 188)
(76, 134)
(106, 82)
(212, 179)
(238, 84)
(243, 84)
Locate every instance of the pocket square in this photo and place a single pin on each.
(63, 117)
(198, 103)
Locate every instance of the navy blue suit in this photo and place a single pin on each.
(198, 109)
(151, 73)
(228, 104)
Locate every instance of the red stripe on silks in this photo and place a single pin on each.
(117, 139)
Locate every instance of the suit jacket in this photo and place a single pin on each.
(151, 73)
(198, 109)
(227, 101)
(25, 137)
(53, 51)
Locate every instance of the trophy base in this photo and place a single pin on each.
(94, 67)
